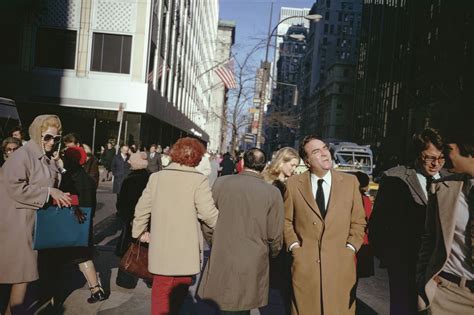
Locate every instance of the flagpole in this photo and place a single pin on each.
(213, 67)
(213, 86)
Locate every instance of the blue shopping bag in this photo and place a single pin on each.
(57, 227)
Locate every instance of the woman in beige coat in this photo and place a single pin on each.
(27, 182)
(177, 198)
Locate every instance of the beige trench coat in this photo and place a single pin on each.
(24, 181)
(323, 269)
(438, 238)
(249, 230)
(175, 198)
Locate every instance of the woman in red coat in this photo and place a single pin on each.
(365, 258)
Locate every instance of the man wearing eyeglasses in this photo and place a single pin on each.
(398, 218)
(445, 271)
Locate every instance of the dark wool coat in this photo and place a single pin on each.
(120, 169)
(132, 189)
(76, 182)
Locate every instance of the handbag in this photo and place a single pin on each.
(57, 227)
(135, 261)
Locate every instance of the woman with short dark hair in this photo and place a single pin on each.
(9, 145)
(177, 198)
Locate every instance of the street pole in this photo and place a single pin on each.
(265, 73)
(125, 133)
(261, 106)
(120, 119)
(93, 136)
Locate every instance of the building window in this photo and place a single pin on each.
(326, 28)
(341, 88)
(325, 40)
(9, 54)
(326, 16)
(111, 53)
(55, 48)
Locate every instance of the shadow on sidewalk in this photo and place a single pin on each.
(364, 309)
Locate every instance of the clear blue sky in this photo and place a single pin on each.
(252, 17)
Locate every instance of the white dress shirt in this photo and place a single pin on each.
(459, 260)
(422, 180)
(326, 186)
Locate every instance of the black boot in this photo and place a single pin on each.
(98, 295)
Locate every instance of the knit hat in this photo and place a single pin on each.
(138, 160)
(76, 155)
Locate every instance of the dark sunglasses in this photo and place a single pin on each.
(48, 137)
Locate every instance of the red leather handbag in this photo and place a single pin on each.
(135, 261)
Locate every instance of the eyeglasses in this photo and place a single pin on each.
(48, 137)
(432, 159)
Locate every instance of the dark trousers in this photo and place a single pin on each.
(403, 292)
(235, 312)
(126, 280)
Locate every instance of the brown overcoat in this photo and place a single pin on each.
(248, 231)
(323, 269)
(24, 182)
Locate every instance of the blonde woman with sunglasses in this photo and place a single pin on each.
(27, 182)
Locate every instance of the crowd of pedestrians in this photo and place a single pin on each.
(306, 237)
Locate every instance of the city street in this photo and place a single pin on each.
(372, 292)
(382, 90)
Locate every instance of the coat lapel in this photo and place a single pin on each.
(335, 196)
(447, 194)
(306, 191)
(415, 186)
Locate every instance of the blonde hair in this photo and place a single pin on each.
(284, 155)
(51, 121)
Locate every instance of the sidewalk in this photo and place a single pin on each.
(373, 291)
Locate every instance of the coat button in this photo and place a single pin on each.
(318, 261)
(314, 223)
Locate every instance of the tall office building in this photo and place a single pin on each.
(283, 112)
(329, 69)
(416, 65)
(81, 59)
(282, 29)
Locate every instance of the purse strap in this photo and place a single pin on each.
(137, 242)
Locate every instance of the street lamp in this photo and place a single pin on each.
(266, 68)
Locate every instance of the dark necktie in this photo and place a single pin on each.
(470, 200)
(320, 198)
(429, 181)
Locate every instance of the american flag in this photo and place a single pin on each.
(226, 74)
